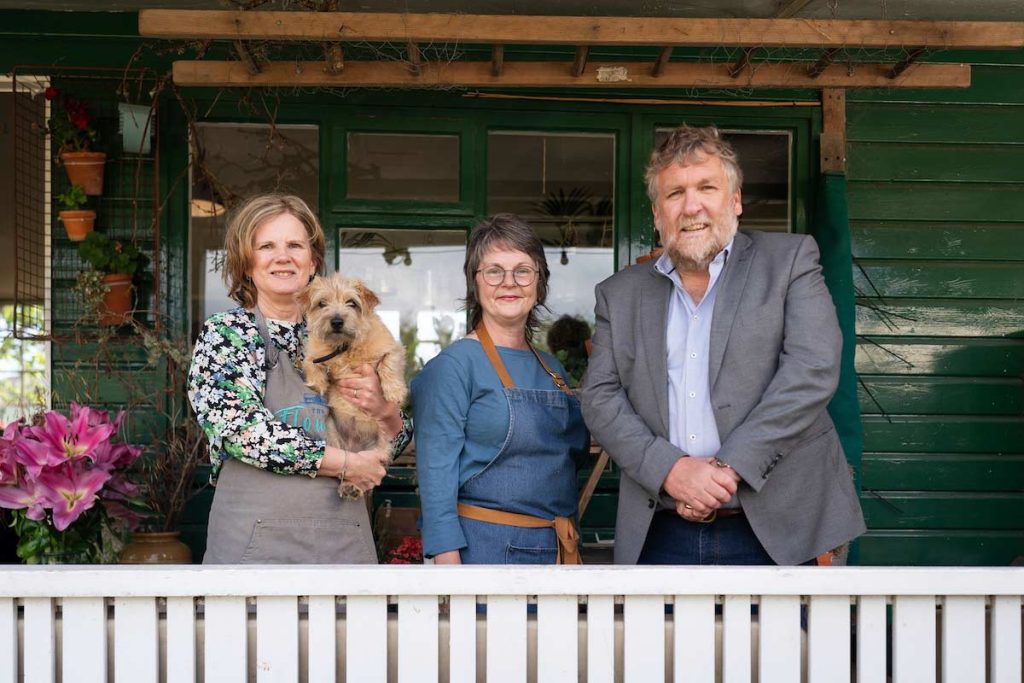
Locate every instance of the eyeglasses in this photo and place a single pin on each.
(523, 276)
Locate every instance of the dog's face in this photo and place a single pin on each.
(338, 309)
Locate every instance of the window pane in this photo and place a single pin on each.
(231, 163)
(417, 274)
(765, 160)
(563, 184)
(403, 167)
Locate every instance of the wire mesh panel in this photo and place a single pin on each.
(31, 209)
(47, 262)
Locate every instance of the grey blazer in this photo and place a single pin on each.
(775, 349)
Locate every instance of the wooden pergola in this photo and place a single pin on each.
(826, 39)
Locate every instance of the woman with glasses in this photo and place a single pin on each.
(498, 432)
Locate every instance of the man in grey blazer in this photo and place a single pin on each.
(711, 370)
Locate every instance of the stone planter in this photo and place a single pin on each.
(156, 547)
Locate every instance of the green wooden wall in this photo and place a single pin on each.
(936, 198)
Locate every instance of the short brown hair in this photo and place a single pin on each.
(511, 232)
(684, 144)
(242, 227)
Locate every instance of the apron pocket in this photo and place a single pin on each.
(327, 541)
(517, 555)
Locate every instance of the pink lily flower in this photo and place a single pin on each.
(25, 496)
(71, 494)
(60, 440)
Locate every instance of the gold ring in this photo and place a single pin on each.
(687, 506)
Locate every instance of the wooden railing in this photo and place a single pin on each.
(414, 623)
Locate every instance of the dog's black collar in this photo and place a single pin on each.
(336, 352)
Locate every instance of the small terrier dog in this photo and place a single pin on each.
(345, 333)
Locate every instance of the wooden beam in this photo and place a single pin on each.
(823, 62)
(415, 60)
(497, 59)
(833, 132)
(580, 62)
(548, 30)
(902, 66)
(663, 57)
(531, 74)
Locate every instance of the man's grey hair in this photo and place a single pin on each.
(690, 144)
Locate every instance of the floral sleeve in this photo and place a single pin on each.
(226, 384)
(403, 437)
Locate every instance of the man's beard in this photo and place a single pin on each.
(697, 257)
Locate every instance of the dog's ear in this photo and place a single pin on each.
(367, 295)
(303, 296)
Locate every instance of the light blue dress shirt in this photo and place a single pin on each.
(692, 426)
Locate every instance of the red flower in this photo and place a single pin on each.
(51, 94)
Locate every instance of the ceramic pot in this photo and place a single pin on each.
(78, 224)
(115, 309)
(85, 169)
(156, 547)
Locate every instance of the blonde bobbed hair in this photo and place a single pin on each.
(242, 227)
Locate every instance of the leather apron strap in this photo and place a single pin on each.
(565, 529)
(499, 366)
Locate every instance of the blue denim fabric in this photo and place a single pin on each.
(726, 541)
(533, 474)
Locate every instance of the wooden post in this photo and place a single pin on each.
(833, 132)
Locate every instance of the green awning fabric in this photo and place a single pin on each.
(832, 231)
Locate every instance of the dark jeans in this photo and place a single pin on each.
(727, 540)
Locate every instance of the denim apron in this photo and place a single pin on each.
(259, 517)
(532, 476)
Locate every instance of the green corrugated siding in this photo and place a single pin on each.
(937, 220)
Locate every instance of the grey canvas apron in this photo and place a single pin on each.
(259, 517)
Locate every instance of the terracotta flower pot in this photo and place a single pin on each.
(156, 547)
(85, 169)
(78, 224)
(116, 306)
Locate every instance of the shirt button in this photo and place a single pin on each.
(693, 437)
(693, 394)
(650, 503)
(693, 355)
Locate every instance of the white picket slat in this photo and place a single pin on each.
(643, 638)
(417, 638)
(136, 640)
(557, 657)
(963, 639)
(736, 658)
(779, 639)
(225, 639)
(8, 640)
(600, 639)
(1005, 652)
(322, 641)
(462, 639)
(828, 639)
(366, 638)
(181, 640)
(277, 639)
(871, 639)
(913, 639)
(84, 639)
(694, 639)
(506, 639)
(39, 641)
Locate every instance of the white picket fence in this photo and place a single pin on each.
(414, 623)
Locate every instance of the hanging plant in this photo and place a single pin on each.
(72, 131)
(78, 221)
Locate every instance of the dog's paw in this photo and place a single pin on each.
(347, 491)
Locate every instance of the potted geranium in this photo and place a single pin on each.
(78, 221)
(115, 264)
(72, 130)
(64, 479)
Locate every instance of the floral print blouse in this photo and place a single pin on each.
(226, 383)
